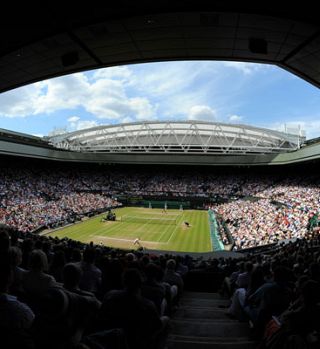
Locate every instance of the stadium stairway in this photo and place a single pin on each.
(201, 323)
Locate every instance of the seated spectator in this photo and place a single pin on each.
(251, 281)
(136, 315)
(296, 327)
(57, 265)
(36, 282)
(244, 278)
(19, 273)
(71, 275)
(16, 318)
(91, 275)
(4, 242)
(153, 288)
(173, 278)
(62, 318)
(181, 268)
(76, 255)
(271, 299)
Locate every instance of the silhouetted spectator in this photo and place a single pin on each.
(62, 318)
(271, 299)
(91, 275)
(16, 318)
(57, 264)
(71, 278)
(19, 273)
(173, 278)
(153, 289)
(138, 316)
(36, 282)
(4, 242)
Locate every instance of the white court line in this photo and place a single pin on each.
(140, 226)
(120, 239)
(150, 220)
(117, 228)
(163, 234)
(109, 238)
(161, 214)
(162, 219)
(173, 231)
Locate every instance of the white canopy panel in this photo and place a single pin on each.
(178, 137)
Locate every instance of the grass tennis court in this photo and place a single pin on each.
(155, 229)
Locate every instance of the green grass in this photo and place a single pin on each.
(152, 235)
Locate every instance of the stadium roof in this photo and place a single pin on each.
(178, 137)
(47, 41)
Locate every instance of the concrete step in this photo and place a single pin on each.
(201, 323)
(200, 313)
(209, 328)
(201, 295)
(191, 342)
(209, 303)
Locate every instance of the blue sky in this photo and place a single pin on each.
(231, 92)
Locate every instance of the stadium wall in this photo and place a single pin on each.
(169, 203)
(306, 153)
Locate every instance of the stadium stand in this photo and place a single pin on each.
(275, 291)
(33, 198)
(275, 287)
(272, 219)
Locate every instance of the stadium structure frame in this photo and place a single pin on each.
(196, 137)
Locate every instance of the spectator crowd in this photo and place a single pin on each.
(61, 293)
(281, 209)
(278, 294)
(65, 294)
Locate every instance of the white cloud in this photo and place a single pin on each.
(235, 118)
(142, 108)
(75, 123)
(107, 88)
(243, 67)
(164, 91)
(85, 124)
(68, 92)
(172, 78)
(165, 80)
(121, 72)
(202, 112)
(104, 97)
(138, 92)
(20, 102)
(127, 120)
(178, 86)
(73, 119)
